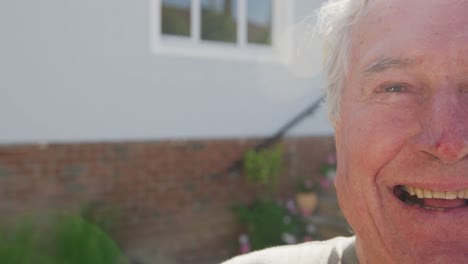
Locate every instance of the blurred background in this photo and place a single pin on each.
(177, 131)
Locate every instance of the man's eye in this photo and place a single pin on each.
(394, 88)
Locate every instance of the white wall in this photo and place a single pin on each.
(83, 71)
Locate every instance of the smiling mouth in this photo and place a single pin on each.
(432, 200)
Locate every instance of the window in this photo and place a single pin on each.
(175, 19)
(259, 13)
(219, 20)
(237, 29)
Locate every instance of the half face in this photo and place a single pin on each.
(402, 139)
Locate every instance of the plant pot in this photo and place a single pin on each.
(307, 202)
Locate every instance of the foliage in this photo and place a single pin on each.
(17, 246)
(264, 166)
(68, 240)
(78, 241)
(323, 181)
(329, 168)
(266, 223)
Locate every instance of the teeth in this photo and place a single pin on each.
(427, 194)
(419, 192)
(461, 194)
(448, 195)
(438, 195)
(451, 195)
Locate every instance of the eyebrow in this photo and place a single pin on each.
(385, 63)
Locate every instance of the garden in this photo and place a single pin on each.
(271, 220)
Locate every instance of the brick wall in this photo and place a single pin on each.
(172, 197)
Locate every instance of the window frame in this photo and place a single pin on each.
(279, 51)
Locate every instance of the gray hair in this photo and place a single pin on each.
(336, 19)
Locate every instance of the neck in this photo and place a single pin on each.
(372, 253)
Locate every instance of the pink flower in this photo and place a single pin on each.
(244, 243)
(244, 249)
(326, 183)
(291, 206)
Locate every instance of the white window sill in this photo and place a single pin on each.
(179, 46)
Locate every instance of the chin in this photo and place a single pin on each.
(402, 232)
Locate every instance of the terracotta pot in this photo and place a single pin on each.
(307, 202)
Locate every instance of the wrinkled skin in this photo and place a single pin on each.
(406, 125)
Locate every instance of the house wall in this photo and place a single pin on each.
(173, 198)
(81, 71)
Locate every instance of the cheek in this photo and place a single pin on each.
(371, 139)
(366, 142)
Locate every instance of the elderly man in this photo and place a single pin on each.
(398, 96)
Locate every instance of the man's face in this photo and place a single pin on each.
(404, 129)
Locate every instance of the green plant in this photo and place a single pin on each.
(264, 166)
(266, 222)
(329, 168)
(17, 245)
(78, 241)
(322, 181)
(67, 239)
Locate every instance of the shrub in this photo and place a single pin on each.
(267, 222)
(68, 239)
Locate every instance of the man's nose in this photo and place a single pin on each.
(444, 132)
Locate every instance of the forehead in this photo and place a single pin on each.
(415, 28)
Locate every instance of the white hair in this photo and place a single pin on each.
(336, 19)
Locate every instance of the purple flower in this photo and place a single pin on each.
(326, 183)
(291, 206)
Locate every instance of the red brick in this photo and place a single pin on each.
(171, 193)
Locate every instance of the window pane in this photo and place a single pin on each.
(219, 20)
(259, 13)
(176, 17)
